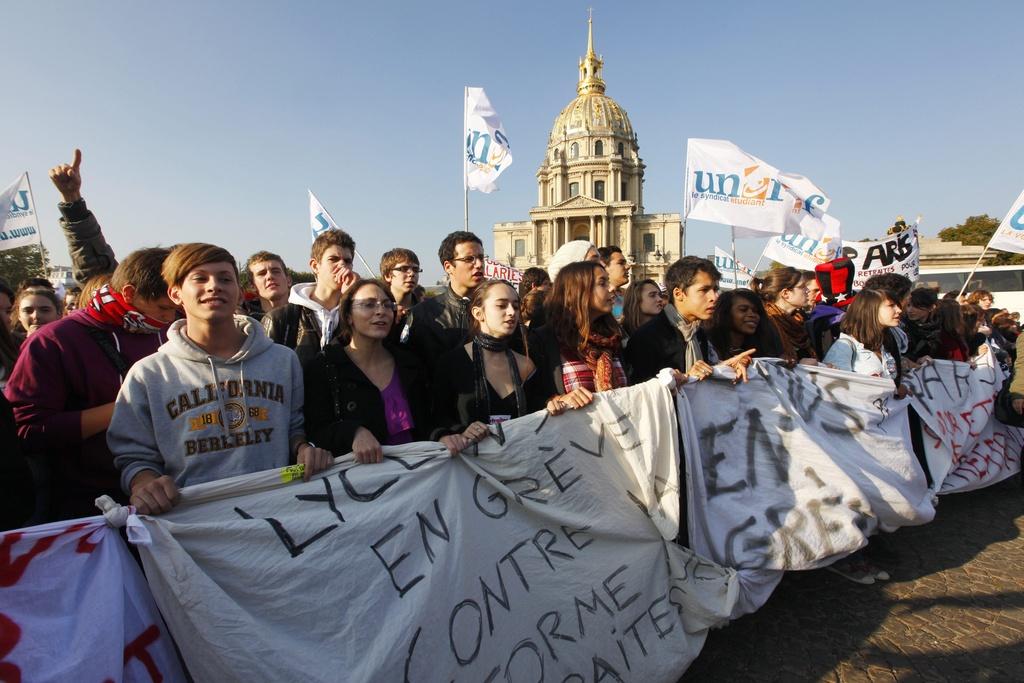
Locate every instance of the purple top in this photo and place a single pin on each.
(396, 413)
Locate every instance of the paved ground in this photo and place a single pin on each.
(953, 611)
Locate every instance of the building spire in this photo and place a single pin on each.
(591, 65)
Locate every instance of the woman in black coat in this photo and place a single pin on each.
(485, 381)
(363, 392)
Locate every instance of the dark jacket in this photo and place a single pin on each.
(453, 394)
(340, 398)
(922, 338)
(62, 370)
(658, 344)
(296, 327)
(546, 354)
(17, 494)
(90, 253)
(438, 324)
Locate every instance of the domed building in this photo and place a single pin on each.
(590, 186)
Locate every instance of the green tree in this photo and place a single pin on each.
(17, 265)
(977, 231)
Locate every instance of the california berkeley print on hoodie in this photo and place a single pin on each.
(198, 418)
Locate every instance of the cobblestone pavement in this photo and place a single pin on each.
(953, 611)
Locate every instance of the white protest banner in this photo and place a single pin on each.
(496, 270)
(539, 555)
(74, 606)
(726, 185)
(965, 446)
(794, 469)
(19, 225)
(1009, 236)
(488, 151)
(734, 274)
(899, 254)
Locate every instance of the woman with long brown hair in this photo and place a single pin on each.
(364, 391)
(579, 349)
(950, 322)
(642, 303)
(861, 345)
(784, 293)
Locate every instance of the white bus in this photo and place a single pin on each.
(1005, 282)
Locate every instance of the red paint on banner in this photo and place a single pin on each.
(12, 571)
(10, 634)
(137, 650)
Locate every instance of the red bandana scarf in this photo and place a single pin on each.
(110, 308)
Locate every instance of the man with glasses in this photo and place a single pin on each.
(400, 268)
(442, 322)
(310, 318)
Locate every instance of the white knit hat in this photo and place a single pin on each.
(570, 252)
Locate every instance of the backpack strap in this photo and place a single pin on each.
(118, 360)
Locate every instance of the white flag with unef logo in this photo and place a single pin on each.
(319, 220)
(726, 185)
(488, 152)
(734, 273)
(19, 225)
(1009, 236)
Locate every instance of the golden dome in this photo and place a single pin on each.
(592, 112)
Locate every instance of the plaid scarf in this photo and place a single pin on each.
(109, 307)
(600, 357)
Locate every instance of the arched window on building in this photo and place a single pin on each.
(622, 150)
(598, 149)
(574, 151)
(599, 189)
(574, 189)
(624, 195)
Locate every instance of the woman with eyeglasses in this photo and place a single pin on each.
(363, 391)
(784, 295)
(485, 381)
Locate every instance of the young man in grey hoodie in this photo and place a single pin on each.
(217, 400)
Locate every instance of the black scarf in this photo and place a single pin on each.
(483, 401)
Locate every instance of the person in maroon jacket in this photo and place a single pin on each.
(67, 377)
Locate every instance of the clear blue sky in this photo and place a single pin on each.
(208, 120)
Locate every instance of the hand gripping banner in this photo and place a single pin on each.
(543, 554)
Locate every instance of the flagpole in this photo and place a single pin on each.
(971, 274)
(465, 182)
(760, 258)
(735, 268)
(39, 226)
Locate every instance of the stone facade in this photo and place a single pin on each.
(590, 186)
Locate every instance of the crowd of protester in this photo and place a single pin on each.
(122, 387)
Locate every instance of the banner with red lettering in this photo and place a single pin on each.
(74, 606)
(966, 447)
(496, 270)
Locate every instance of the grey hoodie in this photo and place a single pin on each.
(167, 417)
